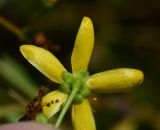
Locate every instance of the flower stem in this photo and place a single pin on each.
(68, 103)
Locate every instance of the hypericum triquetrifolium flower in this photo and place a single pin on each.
(78, 85)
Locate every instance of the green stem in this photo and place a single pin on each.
(68, 103)
(13, 28)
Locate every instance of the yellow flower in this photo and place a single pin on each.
(116, 80)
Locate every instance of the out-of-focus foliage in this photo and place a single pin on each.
(126, 35)
(14, 74)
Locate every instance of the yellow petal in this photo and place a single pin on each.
(83, 46)
(116, 80)
(52, 102)
(44, 61)
(82, 117)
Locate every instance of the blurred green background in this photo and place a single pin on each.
(127, 34)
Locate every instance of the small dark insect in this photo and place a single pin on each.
(48, 105)
(35, 106)
(57, 100)
(52, 102)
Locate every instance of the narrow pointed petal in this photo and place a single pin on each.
(44, 61)
(52, 102)
(82, 117)
(116, 80)
(83, 46)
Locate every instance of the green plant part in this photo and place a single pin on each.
(77, 86)
(41, 118)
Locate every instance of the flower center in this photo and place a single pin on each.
(75, 86)
(70, 82)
